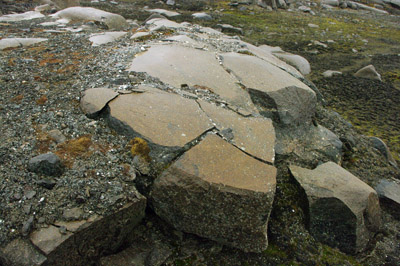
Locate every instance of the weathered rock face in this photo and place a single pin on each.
(81, 241)
(343, 210)
(276, 94)
(106, 37)
(216, 191)
(24, 16)
(162, 118)
(297, 61)
(368, 72)
(178, 65)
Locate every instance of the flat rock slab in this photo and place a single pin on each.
(216, 191)
(177, 65)
(158, 24)
(113, 21)
(23, 16)
(162, 118)
(106, 37)
(94, 100)
(368, 72)
(253, 135)
(163, 12)
(19, 42)
(276, 94)
(83, 241)
(343, 210)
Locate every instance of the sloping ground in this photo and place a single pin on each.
(100, 171)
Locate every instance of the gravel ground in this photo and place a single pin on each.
(40, 88)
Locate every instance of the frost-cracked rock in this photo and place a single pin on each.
(216, 191)
(343, 210)
(177, 65)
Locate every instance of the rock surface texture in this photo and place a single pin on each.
(342, 209)
(216, 191)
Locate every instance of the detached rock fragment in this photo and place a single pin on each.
(47, 164)
(94, 100)
(368, 72)
(83, 241)
(342, 210)
(216, 191)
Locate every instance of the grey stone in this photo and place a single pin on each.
(106, 37)
(72, 214)
(140, 35)
(57, 136)
(330, 2)
(27, 226)
(389, 192)
(229, 28)
(113, 21)
(94, 100)
(46, 183)
(381, 146)
(22, 253)
(331, 73)
(163, 12)
(276, 94)
(23, 16)
(19, 42)
(47, 164)
(86, 240)
(304, 8)
(362, 6)
(368, 72)
(216, 191)
(297, 61)
(343, 211)
(170, 2)
(202, 16)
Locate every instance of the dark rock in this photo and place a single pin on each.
(21, 253)
(384, 150)
(389, 193)
(342, 210)
(229, 28)
(46, 183)
(27, 226)
(85, 240)
(47, 164)
(216, 191)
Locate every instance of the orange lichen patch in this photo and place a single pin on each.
(17, 99)
(126, 169)
(42, 100)
(43, 140)
(73, 148)
(50, 61)
(37, 48)
(67, 68)
(140, 148)
(11, 61)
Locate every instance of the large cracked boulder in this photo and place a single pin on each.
(342, 210)
(216, 191)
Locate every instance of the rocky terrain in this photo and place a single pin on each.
(199, 133)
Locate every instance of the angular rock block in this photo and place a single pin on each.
(82, 241)
(277, 95)
(218, 192)
(21, 253)
(342, 210)
(94, 100)
(389, 193)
